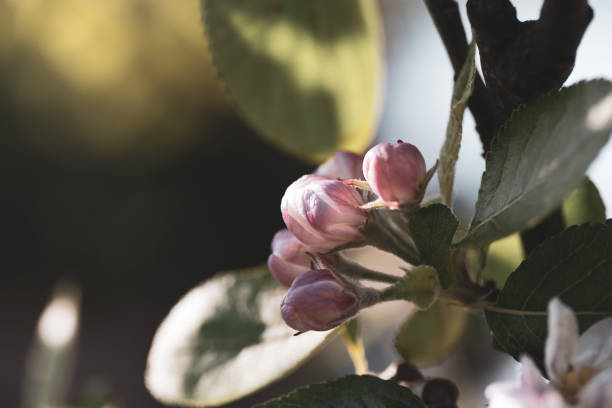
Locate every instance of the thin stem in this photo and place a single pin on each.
(446, 17)
(356, 351)
(517, 312)
(373, 276)
(388, 245)
(355, 270)
(385, 236)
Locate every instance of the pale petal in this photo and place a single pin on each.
(342, 165)
(531, 378)
(562, 340)
(508, 395)
(597, 393)
(532, 391)
(504, 395)
(552, 399)
(595, 346)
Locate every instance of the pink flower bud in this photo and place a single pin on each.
(323, 213)
(342, 165)
(395, 172)
(288, 259)
(317, 301)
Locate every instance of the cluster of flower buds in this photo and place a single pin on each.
(328, 210)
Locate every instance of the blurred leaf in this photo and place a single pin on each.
(432, 229)
(503, 257)
(225, 339)
(96, 394)
(420, 286)
(584, 205)
(462, 90)
(112, 79)
(429, 336)
(50, 363)
(349, 392)
(575, 265)
(305, 74)
(539, 157)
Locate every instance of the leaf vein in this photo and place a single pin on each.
(555, 267)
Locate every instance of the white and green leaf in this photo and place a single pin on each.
(225, 339)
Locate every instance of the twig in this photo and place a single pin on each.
(522, 60)
(446, 17)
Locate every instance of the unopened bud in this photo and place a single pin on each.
(395, 172)
(440, 393)
(323, 213)
(317, 301)
(342, 165)
(288, 259)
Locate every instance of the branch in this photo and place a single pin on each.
(446, 17)
(522, 60)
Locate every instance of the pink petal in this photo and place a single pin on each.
(595, 346)
(562, 340)
(597, 393)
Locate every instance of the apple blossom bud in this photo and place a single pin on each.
(395, 172)
(317, 301)
(288, 259)
(342, 165)
(323, 213)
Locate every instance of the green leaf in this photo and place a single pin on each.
(462, 90)
(538, 158)
(576, 266)
(429, 336)
(420, 286)
(225, 339)
(307, 75)
(503, 257)
(351, 391)
(432, 229)
(584, 205)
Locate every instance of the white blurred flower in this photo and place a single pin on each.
(579, 368)
(531, 391)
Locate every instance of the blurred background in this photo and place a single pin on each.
(127, 176)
